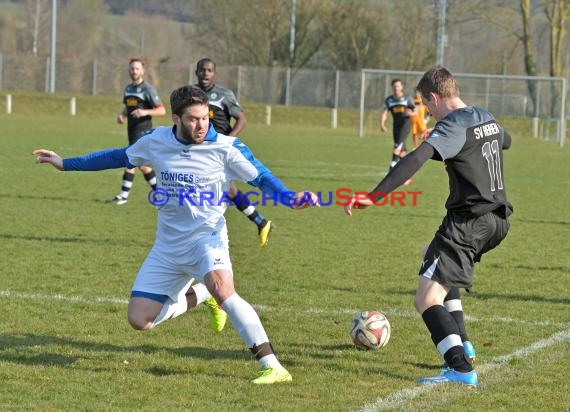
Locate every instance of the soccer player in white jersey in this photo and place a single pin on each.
(194, 166)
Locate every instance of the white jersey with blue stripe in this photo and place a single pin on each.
(194, 179)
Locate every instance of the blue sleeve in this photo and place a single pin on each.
(265, 180)
(105, 159)
(272, 185)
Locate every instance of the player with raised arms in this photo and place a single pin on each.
(191, 241)
(470, 142)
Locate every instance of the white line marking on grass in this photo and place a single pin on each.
(400, 313)
(397, 399)
(65, 298)
(81, 299)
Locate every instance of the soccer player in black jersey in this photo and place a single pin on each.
(223, 108)
(141, 104)
(402, 107)
(470, 142)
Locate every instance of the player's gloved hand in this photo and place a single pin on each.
(305, 199)
(357, 202)
(47, 156)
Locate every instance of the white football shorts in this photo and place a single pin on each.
(163, 273)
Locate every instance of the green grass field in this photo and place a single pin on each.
(68, 260)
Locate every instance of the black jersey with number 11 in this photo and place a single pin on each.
(471, 142)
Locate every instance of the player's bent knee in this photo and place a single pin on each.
(140, 323)
(142, 312)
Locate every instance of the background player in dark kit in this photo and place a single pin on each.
(223, 108)
(141, 104)
(402, 107)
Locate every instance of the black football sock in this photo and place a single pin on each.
(445, 336)
(247, 209)
(150, 178)
(126, 184)
(452, 303)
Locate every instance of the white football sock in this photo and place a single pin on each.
(245, 321)
(270, 361)
(170, 310)
(248, 210)
(201, 292)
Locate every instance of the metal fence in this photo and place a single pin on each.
(541, 98)
(364, 90)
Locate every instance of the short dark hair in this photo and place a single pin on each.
(136, 59)
(186, 96)
(440, 81)
(203, 61)
(396, 81)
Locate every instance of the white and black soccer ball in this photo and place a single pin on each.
(370, 330)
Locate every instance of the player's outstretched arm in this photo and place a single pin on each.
(403, 170)
(47, 156)
(357, 202)
(247, 168)
(102, 160)
(305, 199)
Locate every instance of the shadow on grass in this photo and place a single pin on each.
(21, 343)
(45, 359)
(133, 242)
(540, 222)
(565, 269)
(421, 365)
(50, 239)
(36, 197)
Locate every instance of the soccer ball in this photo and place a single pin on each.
(370, 330)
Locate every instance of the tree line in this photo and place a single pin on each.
(504, 36)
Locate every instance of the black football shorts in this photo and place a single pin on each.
(460, 242)
(400, 132)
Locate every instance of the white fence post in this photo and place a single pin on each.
(288, 87)
(8, 103)
(94, 83)
(334, 114)
(72, 106)
(268, 115)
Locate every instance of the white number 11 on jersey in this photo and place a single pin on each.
(491, 155)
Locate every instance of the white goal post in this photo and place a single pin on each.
(502, 95)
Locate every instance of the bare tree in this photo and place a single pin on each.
(37, 20)
(354, 38)
(503, 15)
(529, 58)
(557, 13)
